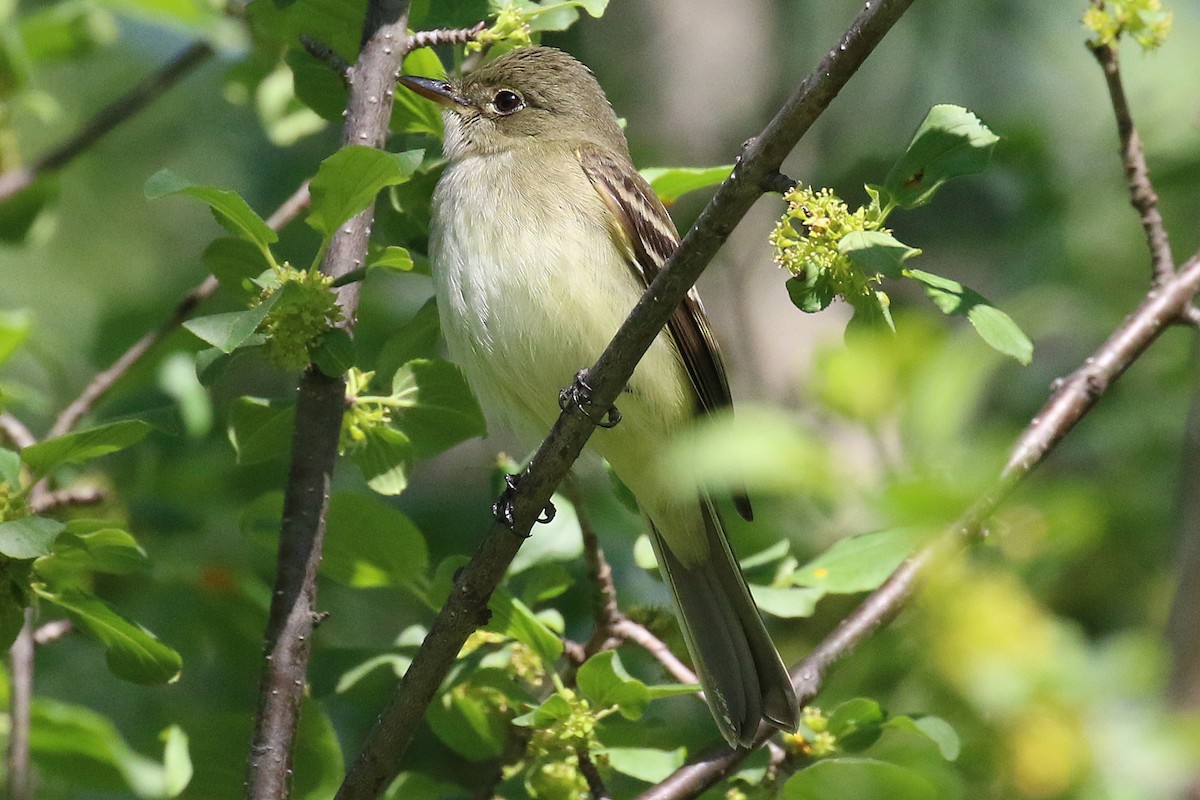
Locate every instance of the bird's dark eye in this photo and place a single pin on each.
(506, 102)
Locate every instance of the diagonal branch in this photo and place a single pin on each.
(1071, 400)
(131, 103)
(761, 158)
(320, 403)
(1137, 173)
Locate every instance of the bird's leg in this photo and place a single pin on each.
(502, 509)
(579, 394)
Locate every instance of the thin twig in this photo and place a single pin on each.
(71, 496)
(15, 431)
(319, 407)
(1071, 400)
(108, 118)
(596, 788)
(52, 631)
(444, 36)
(20, 656)
(640, 635)
(463, 609)
(1137, 173)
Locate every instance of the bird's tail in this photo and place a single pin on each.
(743, 677)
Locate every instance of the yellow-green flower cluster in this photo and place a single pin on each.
(806, 241)
(553, 771)
(1144, 20)
(813, 739)
(363, 412)
(12, 502)
(511, 27)
(300, 316)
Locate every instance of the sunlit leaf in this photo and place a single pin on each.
(74, 448)
(671, 183)
(234, 213)
(951, 141)
(347, 182)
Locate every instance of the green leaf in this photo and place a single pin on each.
(645, 763)
(347, 182)
(560, 539)
(65, 30)
(231, 330)
(811, 293)
(234, 213)
(860, 563)
(78, 745)
(370, 544)
(14, 330)
(19, 212)
(549, 711)
(385, 459)
(132, 652)
(74, 448)
(786, 602)
(950, 142)
(603, 680)
(993, 325)
(435, 407)
(28, 537)
(513, 618)
(671, 183)
(876, 252)
(859, 778)
(471, 719)
(334, 352)
(935, 728)
(768, 555)
(416, 338)
(393, 258)
(318, 755)
(10, 467)
(88, 546)
(857, 723)
(260, 429)
(236, 264)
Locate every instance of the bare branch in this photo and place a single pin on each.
(444, 36)
(20, 659)
(463, 609)
(596, 788)
(110, 117)
(52, 631)
(319, 407)
(1137, 173)
(71, 496)
(641, 635)
(15, 431)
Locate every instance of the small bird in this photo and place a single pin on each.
(543, 238)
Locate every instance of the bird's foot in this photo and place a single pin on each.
(503, 509)
(579, 394)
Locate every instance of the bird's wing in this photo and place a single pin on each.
(644, 230)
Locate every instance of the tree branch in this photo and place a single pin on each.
(1071, 400)
(20, 658)
(110, 117)
(463, 610)
(444, 36)
(319, 408)
(1137, 173)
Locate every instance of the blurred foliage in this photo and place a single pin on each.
(1032, 666)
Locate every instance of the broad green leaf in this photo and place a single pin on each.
(233, 329)
(88, 546)
(860, 563)
(513, 618)
(347, 182)
(876, 252)
(234, 213)
(412, 113)
(236, 264)
(78, 745)
(74, 448)
(435, 407)
(14, 329)
(671, 183)
(315, 84)
(857, 723)
(950, 142)
(472, 718)
(858, 778)
(768, 555)
(551, 710)
(28, 537)
(319, 764)
(176, 376)
(132, 652)
(937, 729)
(645, 763)
(393, 258)
(370, 544)
(416, 338)
(558, 16)
(812, 292)
(260, 429)
(284, 116)
(561, 539)
(333, 352)
(10, 467)
(786, 602)
(385, 459)
(993, 325)
(603, 680)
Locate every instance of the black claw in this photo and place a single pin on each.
(579, 394)
(503, 510)
(547, 513)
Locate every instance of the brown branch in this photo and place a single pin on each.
(596, 788)
(131, 103)
(640, 635)
(444, 36)
(464, 608)
(1071, 400)
(15, 431)
(20, 659)
(45, 502)
(1137, 173)
(319, 407)
(52, 631)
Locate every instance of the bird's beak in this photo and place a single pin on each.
(440, 92)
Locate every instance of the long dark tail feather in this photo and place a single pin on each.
(743, 677)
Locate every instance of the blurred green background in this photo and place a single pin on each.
(1048, 648)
